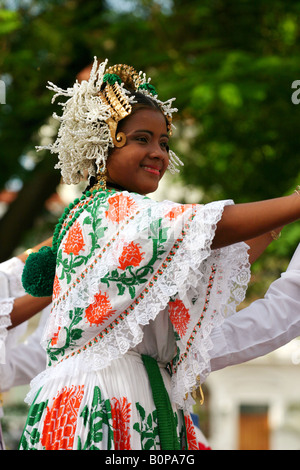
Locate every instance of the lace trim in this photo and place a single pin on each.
(187, 277)
(13, 268)
(6, 306)
(224, 292)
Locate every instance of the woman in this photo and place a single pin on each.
(139, 286)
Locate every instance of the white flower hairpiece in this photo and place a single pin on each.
(90, 117)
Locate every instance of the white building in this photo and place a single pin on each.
(256, 405)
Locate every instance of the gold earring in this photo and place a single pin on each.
(101, 180)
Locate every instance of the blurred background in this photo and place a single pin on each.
(231, 66)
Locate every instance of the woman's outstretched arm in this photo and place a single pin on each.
(247, 221)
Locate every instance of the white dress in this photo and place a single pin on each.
(137, 286)
(256, 330)
(262, 327)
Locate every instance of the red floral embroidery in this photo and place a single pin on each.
(131, 255)
(120, 207)
(179, 316)
(56, 287)
(61, 419)
(100, 310)
(55, 337)
(190, 434)
(202, 446)
(178, 210)
(120, 411)
(74, 243)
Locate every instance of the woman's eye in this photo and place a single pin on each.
(142, 139)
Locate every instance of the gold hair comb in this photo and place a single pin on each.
(114, 97)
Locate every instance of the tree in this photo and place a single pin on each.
(46, 40)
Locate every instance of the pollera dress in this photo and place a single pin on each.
(136, 295)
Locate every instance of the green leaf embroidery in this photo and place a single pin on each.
(95, 418)
(72, 335)
(147, 428)
(31, 436)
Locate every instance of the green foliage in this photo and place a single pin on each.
(9, 22)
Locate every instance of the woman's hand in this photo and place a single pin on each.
(259, 244)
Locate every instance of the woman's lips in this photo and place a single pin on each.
(150, 169)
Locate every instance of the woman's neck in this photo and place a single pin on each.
(109, 185)
(115, 186)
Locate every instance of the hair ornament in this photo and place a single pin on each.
(90, 116)
(111, 78)
(148, 87)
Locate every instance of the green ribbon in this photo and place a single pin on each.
(165, 416)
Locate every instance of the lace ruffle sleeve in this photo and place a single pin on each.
(13, 269)
(6, 306)
(10, 288)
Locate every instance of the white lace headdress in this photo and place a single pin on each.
(90, 117)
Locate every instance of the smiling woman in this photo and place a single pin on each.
(139, 285)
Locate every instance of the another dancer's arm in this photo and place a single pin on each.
(26, 307)
(23, 256)
(264, 326)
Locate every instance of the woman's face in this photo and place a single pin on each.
(139, 165)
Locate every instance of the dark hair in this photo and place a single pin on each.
(141, 101)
